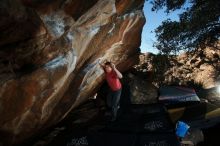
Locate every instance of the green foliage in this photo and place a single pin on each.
(199, 25)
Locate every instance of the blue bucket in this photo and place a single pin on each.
(181, 129)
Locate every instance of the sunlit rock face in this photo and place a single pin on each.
(49, 55)
(199, 69)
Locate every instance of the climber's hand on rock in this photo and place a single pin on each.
(113, 65)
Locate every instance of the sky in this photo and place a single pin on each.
(153, 20)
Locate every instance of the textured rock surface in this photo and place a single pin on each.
(49, 54)
(142, 91)
(199, 69)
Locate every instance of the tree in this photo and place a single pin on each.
(198, 26)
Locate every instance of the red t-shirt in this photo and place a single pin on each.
(113, 81)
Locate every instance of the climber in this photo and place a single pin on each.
(112, 76)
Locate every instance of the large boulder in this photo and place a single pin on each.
(49, 55)
(142, 90)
